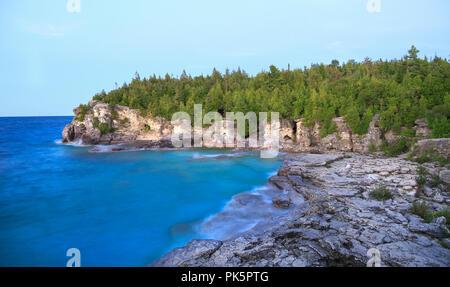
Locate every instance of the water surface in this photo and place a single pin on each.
(119, 209)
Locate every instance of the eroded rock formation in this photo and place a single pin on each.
(122, 124)
(336, 221)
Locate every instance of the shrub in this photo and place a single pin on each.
(423, 210)
(421, 179)
(409, 132)
(327, 128)
(440, 124)
(397, 148)
(435, 181)
(105, 128)
(422, 159)
(372, 147)
(421, 171)
(381, 193)
(95, 123)
(114, 115)
(124, 121)
(445, 212)
(83, 111)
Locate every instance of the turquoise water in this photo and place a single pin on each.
(118, 209)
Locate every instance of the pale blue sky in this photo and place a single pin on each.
(52, 60)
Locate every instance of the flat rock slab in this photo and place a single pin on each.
(333, 220)
(314, 159)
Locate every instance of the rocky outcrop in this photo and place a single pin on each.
(308, 137)
(433, 147)
(103, 124)
(372, 139)
(120, 124)
(337, 221)
(422, 129)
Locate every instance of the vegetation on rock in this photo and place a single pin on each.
(401, 91)
(381, 193)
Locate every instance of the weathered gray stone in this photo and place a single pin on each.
(336, 224)
(439, 147)
(282, 201)
(445, 176)
(422, 129)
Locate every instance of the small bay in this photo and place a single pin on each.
(117, 208)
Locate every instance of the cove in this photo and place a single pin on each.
(118, 209)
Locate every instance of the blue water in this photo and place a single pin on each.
(118, 209)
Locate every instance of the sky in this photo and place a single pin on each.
(54, 56)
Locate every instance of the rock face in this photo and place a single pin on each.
(124, 125)
(308, 138)
(373, 138)
(128, 125)
(437, 147)
(336, 222)
(422, 129)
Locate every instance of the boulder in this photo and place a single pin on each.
(341, 140)
(362, 143)
(422, 129)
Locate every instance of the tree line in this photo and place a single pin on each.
(400, 90)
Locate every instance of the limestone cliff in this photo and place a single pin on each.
(100, 123)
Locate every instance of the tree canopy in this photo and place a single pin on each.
(401, 91)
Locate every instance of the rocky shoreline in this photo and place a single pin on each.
(340, 201)
(100, 123)
(333, 219)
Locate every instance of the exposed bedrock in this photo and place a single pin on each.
(101, 123)
(335, 221)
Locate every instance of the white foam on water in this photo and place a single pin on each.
(217, 156)
(242, 213)
(77, 143)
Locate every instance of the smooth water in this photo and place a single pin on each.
(118, 209)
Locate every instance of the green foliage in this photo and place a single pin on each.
(372, 147)
(83, 111)
(440, 127)
(422, 159)
(381, 193)
(421, 179)
(114, 115)
(435, 181)
(401, 91)
(409, 132)
(96, 123)
(396, 148)
(124, 121)
(445, 212)
(423, 210)
(105, 128)
(328, 127)
(147, 128)
(429, 156)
